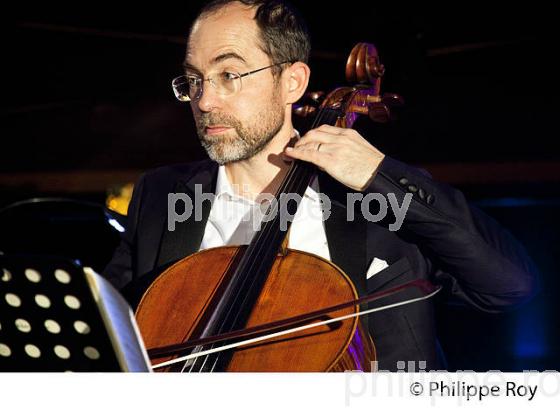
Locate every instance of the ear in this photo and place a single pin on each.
(296, 79)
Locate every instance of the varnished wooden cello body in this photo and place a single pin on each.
(226, 289)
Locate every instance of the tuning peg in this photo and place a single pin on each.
(379, 112)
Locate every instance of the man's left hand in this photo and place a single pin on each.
(341, 152)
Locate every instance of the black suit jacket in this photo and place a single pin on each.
(442, 239)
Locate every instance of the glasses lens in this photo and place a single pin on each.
(228, 83)
(181, 88)
(187, 88)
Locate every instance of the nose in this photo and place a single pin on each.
(209, 99)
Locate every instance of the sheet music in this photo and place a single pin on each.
(121, 324)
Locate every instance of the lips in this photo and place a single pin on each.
(216, 129)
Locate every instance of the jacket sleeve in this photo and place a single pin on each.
(120, 270)
(478, 261)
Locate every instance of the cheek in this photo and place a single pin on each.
(255, 104)
(195, 111)
(244, 111)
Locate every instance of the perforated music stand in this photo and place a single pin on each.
(57, 316)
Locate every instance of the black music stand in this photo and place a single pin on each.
(58, 316)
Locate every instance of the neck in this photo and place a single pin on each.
(263, 172)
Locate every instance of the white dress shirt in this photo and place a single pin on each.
(230, 221)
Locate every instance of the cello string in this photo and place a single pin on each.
(295, 329)
(293, 179)
(204, 362)
(215, 363)
(195, 349)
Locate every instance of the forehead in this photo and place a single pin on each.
(231, 29)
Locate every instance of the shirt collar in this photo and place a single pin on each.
(224, 189)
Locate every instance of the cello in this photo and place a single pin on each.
(283, 296)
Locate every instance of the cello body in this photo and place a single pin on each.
(172, 307)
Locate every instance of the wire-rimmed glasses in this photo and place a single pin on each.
(189, 87)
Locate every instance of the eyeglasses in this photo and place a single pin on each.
(189, 87)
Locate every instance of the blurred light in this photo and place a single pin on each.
(530, 349)
(114, 223)
(530, 336)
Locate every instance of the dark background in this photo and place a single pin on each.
(87, 104)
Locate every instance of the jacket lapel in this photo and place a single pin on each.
(187, 236)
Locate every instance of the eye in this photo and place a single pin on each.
(227, 76)
(193, 80)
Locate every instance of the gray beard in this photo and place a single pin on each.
(248, 142)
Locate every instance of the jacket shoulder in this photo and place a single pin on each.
(176, 172)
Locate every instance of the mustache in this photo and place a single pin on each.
(212, 119)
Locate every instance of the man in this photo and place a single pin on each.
(245, 67)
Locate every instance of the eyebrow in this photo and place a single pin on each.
(218, 59)
(227, 56)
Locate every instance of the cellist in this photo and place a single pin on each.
(245, 67)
